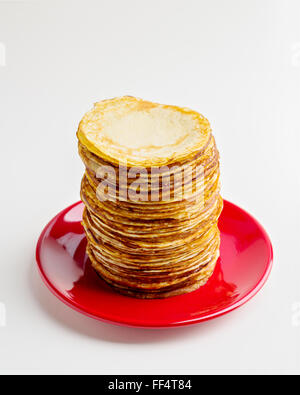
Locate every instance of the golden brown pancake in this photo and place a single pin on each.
(156, 235)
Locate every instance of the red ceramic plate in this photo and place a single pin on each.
(242, 270)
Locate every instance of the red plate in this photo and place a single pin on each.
(242, 270)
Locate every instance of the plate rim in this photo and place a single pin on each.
(130, 323)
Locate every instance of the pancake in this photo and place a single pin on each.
(141, 133)
(154, 235)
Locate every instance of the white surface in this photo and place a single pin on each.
(237, 62)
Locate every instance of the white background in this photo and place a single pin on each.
(237, 62)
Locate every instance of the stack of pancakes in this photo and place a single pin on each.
(152, 199)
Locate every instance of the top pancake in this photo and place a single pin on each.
(135, 132)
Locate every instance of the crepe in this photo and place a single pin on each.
(141, 133)
(156, 235)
